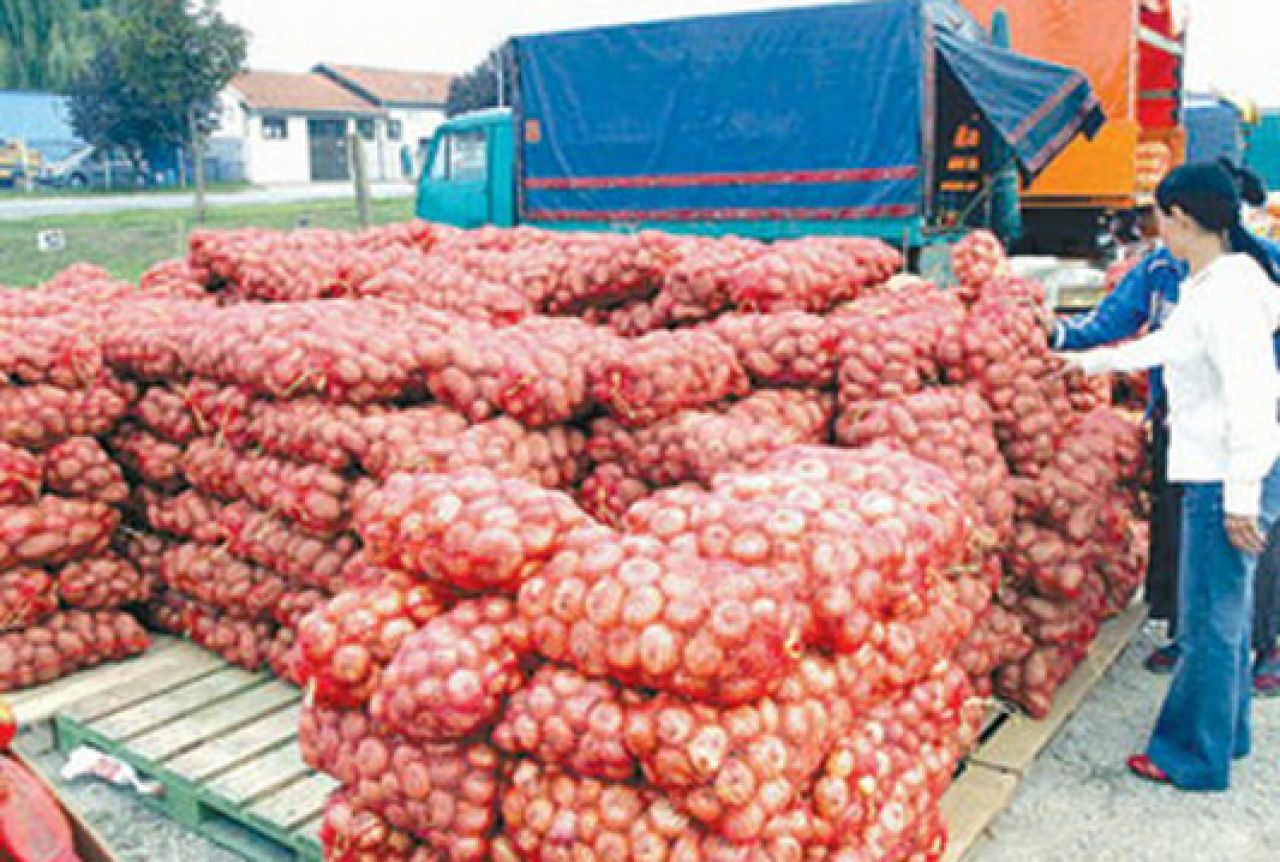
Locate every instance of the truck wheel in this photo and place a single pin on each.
(77, 181)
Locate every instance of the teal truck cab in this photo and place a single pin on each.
(469, 176)
(886, 118)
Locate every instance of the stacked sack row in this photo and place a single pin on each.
(760, 667)
(680, 405)
(260, 424)
(66, 571)
(1078, 550)
(885, 367)
(245, 478)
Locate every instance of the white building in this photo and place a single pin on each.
(294, 128)
(414, 104)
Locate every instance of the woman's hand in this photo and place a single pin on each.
(1244, 534)
(1069, 363)
(1048, 320)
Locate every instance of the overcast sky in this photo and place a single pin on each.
(1234, 44)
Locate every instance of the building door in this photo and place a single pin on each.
(328, 150)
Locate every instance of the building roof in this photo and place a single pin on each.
(391, 86)
(301, 93)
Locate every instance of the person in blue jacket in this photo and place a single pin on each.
(1144, 299)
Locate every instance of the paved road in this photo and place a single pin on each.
(16, 209)
(1078, 802)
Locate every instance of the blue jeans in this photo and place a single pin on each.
(1204, 722)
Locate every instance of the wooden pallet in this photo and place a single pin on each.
(224, 745)
(1011, 743)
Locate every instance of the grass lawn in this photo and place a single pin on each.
(127, 243)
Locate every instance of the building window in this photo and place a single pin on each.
(275, 128)
(394, 130)
(365, 128)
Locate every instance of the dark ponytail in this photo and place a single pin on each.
(1208, 192)
(1253, 190)
(1244, 242)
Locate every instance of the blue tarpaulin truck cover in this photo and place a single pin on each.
(1215, 129)
(810, 114)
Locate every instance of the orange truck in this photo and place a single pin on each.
(1132, 51)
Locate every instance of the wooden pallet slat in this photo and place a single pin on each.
(264, 774)
(226, 752)
(165, 742)
(179, 668)
(311, 826)
(971, 803)
(178, 703)
(295, 804)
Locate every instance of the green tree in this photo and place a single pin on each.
(107, 111)
(170, 59)
(478, 88)
(32, 31)
(44, 44)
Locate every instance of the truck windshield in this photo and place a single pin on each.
(461, 157)
(467, 157)
(440, 164)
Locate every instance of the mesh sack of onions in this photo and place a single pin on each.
(812, 274)
(665, 372)
(102, 583)
(54, 531)
(470, 530)
(42, 415)
(632, 609)
(344, 644)
(66, 642)
(949, 427)
(222, 582)
(450, 679)
(444, 795)
(537, 372)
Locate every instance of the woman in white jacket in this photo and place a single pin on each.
(1216, 352)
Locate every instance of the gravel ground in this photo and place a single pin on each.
(132, 831)
(1079, 804)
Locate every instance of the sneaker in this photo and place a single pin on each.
(1163, 660)
(1266, 685)
(1266, 675)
